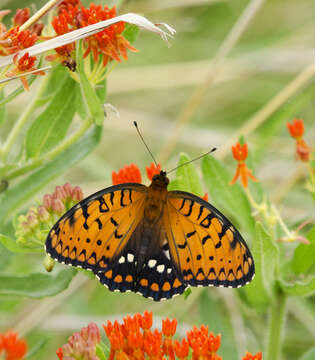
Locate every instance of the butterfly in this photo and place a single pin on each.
(151, 241)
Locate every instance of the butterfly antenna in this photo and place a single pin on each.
(141, 137)
(190, 161)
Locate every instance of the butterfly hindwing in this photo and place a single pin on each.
(95, 231)
(158, 279)
(204, 245)
(153, 276)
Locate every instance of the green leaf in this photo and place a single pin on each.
(18, 194)
(92, 103)
(309, 355)
(33, 352)
(229, 199)
(304, 255)
(214, 312)
(260, 292)
(101, 91)
(14, 247)
(298, 287)
(131, 32)
(51, 126)
(187, 178)
(57, 77)
(100, 352)
(5, 257)
(36, 285)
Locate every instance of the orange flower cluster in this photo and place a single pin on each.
(296, 130)
(240, 153)
(108, 44)
(131, 173)
(11, 347)
(249, 356)
(14, 40)
(135, 339)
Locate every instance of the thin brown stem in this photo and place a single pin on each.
(217, 64)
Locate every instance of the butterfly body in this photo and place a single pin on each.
(151, 241)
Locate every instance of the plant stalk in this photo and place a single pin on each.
(19, 125)
(52, 154)
(276, 326)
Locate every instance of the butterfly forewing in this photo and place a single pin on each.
(95, 231)
(204, 245)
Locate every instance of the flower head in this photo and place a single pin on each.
(105, 46)
(129, 173)
(81, 345)
(33, 227)
(296, 130)
(249, 356)
(12, 347)
(134, 339)
(24, 64)
(240, 153)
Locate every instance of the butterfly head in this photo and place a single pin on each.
(160, 180)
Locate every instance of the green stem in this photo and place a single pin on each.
(19, 125)
(52, 154)
(276, 325)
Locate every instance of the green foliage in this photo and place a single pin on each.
(15, 247)
(51, 126)
(228, 199)
(131, 32)
(102, 351)
(26, 188)
(309, 355)
(298, 287)
(187, 178)
(33, 352)
(304, 255)
(36, 285)
(91, 101)
(261, 291)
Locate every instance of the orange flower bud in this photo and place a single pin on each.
(240, 152)
(296, 129)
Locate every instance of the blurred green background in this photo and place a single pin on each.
(153, 87)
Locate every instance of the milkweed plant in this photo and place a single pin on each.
(60, 58)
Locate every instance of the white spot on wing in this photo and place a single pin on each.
(122, 259)
(152, 263)
(169, 270)
(160, 268)
(130, 257)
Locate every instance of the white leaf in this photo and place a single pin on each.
(84, 32)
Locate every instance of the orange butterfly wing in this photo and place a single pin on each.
(205, 247)
(94, 232)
